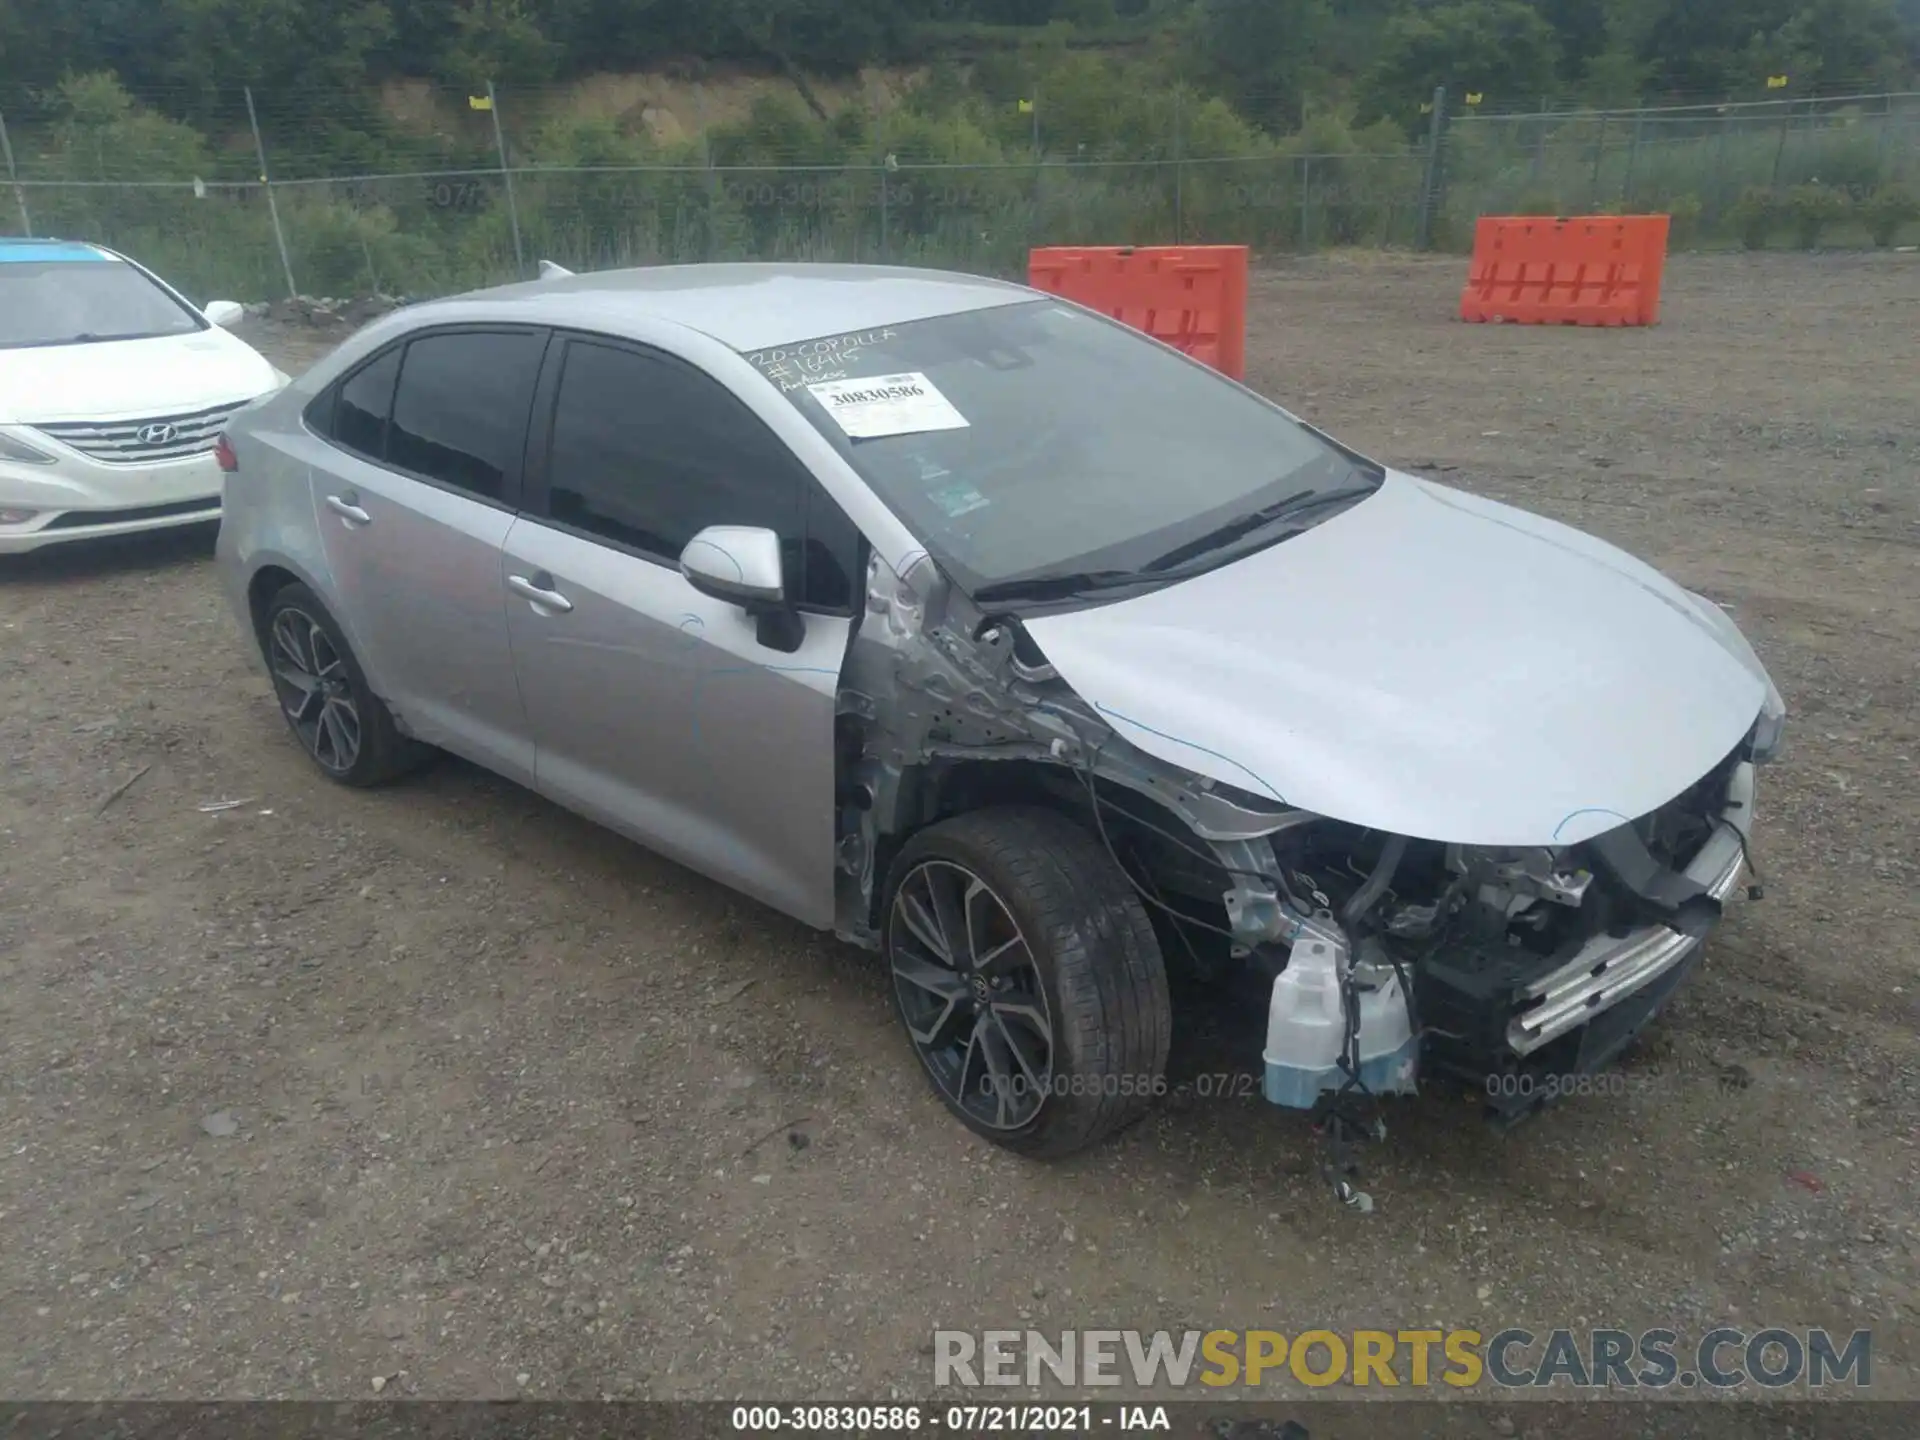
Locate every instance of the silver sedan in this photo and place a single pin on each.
(1012, 644)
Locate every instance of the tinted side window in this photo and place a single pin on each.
(365, 403)
(460, 415)
(647, 452)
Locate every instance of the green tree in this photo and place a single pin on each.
(1263, 52)
(497, 40)
(100, 132)
(602, 34)
(43, 40)
(315, 66)
(829, 34)
(1501, 49)
(303, 60)
(1352, 37)
(1837, 45)
(1582, 31)
(1695, 48)
(1615, 78)
(1708, 48)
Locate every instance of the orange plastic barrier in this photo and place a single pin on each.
(1582, 270)
(1192, 297)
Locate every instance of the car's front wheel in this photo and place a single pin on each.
(1028, 977)
(342, 725)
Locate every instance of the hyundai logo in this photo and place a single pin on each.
(158, 434)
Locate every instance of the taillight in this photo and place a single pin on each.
(223, 453)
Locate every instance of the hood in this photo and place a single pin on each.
(130, 379)
(1430, 664)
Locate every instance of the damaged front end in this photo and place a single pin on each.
(1384, 959)
(1515, 965)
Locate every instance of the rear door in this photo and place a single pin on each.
(424, 475)
(655, 709)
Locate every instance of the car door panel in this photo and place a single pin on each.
(658, 713)
(419, 580)
(413, 498)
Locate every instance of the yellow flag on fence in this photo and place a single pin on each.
(1474, 97)
(1776, 82)
(479, 102)
(1026, 107)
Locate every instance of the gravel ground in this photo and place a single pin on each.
(443, 1087)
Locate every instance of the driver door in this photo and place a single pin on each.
(653, 708)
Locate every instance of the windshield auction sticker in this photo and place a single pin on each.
(881, 405)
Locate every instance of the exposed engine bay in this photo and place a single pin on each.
(1386, 959)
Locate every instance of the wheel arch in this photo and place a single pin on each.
(941, 788)
(267, 581)
(938, 789)
(271, 573)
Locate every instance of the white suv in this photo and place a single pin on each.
(114, 390)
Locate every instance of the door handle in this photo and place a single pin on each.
(347, 507)
(539, 590)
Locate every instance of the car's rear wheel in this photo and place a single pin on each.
(343, 726)
(1028, 977)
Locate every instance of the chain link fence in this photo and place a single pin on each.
(480, 196)
(1696, 162)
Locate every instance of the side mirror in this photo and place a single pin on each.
(224, 313)
(736, 563)
(740, 564)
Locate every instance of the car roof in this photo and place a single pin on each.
(748, 306)
(15, 249)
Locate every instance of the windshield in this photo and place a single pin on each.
(1034, 441)
(78, 297)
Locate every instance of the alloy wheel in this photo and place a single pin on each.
(310, 676)
(971, 994)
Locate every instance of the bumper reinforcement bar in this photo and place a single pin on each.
(1610, 968)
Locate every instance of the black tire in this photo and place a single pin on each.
(380, 753)
(1094, 957)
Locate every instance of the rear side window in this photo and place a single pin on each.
(460, 413)
(361, 413)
